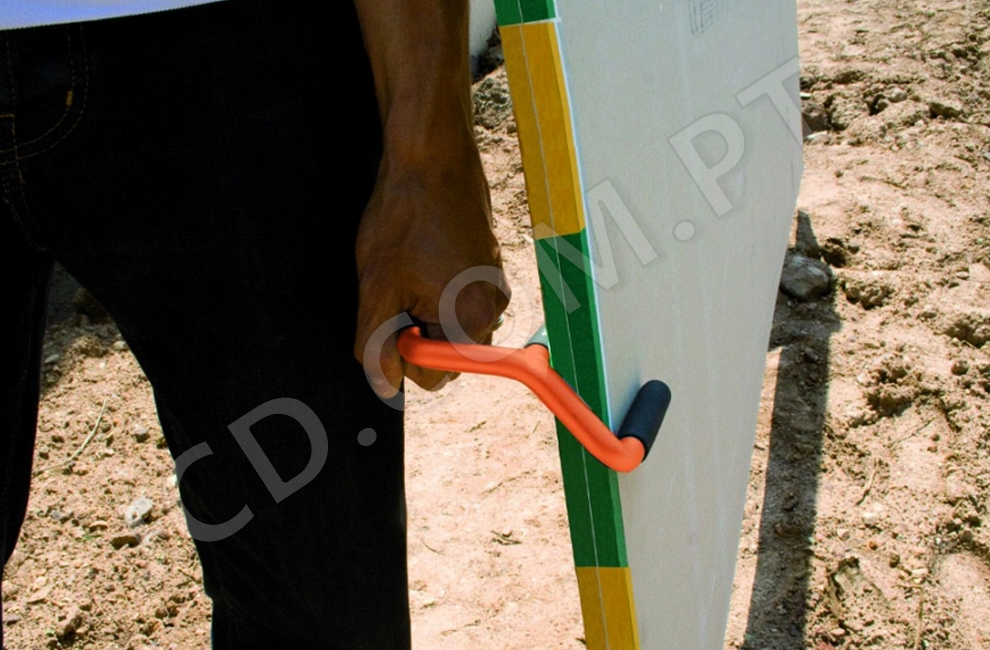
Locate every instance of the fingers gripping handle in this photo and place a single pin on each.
(531, 366)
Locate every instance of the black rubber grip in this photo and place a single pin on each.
(646, 414)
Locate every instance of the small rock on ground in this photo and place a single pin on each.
(805, 279)
(137, 513)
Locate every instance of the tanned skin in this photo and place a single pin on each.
(429, 217)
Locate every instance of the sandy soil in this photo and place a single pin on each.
(868, 495)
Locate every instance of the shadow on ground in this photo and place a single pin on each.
(72, 313)
(802, 331)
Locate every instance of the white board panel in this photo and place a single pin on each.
(698, 316)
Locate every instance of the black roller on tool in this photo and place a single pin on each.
(646, 414)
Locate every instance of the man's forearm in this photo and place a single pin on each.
(429, 218)
(419, 56)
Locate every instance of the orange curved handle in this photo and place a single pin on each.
(531, 366)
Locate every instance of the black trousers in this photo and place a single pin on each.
(202, 172)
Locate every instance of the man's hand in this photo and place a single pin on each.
(420, 230)
(429, 218)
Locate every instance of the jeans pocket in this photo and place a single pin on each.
(43, 91)
(44, 79)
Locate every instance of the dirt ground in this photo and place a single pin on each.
(865, 523)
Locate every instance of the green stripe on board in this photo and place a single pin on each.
(590, 489)
(593, 507)
(513, 12)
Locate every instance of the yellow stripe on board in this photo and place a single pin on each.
(608, 608)
(543, 117)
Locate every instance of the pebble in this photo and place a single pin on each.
(137, 513)
(73, 621)
(960, 367)
(896, 95)
(141, 433)
(99, 524)
(125, 539)
(39, 596)
(119, 346)
(805, 279)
